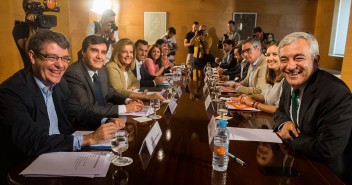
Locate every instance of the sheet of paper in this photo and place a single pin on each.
(237, 105)
(83, 164)
(250, 134)
(142, 119)
(145, 112)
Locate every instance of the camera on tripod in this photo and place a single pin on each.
(42, 21)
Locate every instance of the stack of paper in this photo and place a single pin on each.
(60, 164)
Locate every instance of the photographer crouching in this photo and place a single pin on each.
(202, 43)
(34, 20)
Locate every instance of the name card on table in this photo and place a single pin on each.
(205, 87)
(179, 91)
(211, 129)
(207, 102)
(152, 138)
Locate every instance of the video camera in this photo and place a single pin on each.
(42, 21)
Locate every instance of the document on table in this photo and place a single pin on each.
(250, 134)
(105, 145)
(60, 164)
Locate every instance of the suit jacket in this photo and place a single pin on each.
(258, 78)
(236, 71)
(325, 121)
(228, 64)
(118, 81)
(146, 78)
(25, 123)
(82, 88)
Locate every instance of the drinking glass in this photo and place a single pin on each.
(183, 66)
(155, 106)
(222, 109)
(217, 92)
(119, 144)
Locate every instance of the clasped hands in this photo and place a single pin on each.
(104, 132)
(134, 105)
(289, 131)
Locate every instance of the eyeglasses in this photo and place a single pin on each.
(248, 50)
(54, 58)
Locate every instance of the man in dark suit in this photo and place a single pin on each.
(35, 113)
(228, 61)
(80, 79)
(316, 118)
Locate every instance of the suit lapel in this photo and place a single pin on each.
(103, 81)
(308, 96)
(87, 77)
(37, 95)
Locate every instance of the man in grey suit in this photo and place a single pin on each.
(87, 79)
(254, 82)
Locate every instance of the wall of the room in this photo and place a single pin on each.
(277, 16)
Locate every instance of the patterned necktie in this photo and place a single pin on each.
(97, 88)
(294, 104)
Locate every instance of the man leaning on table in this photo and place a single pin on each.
(35, 112)
(254, 82)
(88, 81)
(315, 112)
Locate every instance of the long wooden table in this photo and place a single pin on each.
(184, 156)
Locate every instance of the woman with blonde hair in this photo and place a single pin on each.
(120, 74)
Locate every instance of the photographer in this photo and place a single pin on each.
(202, 43)
(23, 30)
(106, 28)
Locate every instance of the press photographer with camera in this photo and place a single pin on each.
(34, 20)
(106, 28)
(202, 42)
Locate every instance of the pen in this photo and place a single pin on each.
(238, 160)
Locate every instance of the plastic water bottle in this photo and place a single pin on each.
(221, 146)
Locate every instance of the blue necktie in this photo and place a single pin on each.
(294, 104)
(98, 92)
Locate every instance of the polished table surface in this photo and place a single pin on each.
(183, 154)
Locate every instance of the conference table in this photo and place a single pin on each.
(183, 154)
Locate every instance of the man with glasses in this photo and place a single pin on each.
(35, 113)
(254, 82)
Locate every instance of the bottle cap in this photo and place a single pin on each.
(222, 123)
